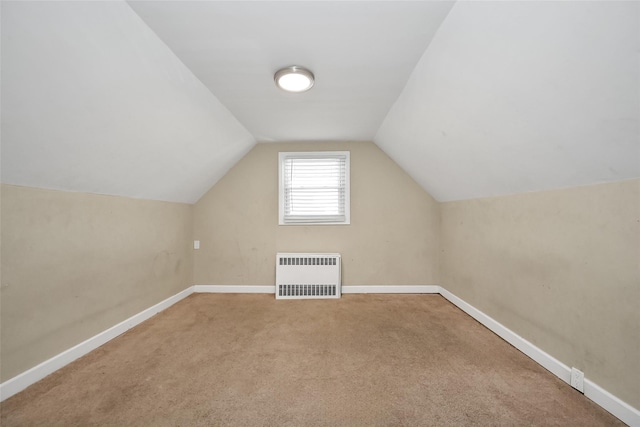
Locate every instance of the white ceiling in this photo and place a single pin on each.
(512, 97)
(158, 99)
(93, 101)
(361, 53)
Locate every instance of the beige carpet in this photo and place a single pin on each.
(248, 360)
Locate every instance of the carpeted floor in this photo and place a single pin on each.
(248, 360)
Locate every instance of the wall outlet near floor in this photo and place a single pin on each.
(577, 379)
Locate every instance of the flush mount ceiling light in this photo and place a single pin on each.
(294, 79)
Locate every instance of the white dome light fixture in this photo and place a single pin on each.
(294, 79)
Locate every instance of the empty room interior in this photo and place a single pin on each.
(467, 172)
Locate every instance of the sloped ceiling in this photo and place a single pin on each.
(93, 101)
(472, 99)
(512, 97)
(362, 54)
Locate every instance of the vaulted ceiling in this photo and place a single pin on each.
(158, 100)
(362, 54)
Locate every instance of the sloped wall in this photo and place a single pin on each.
(560, 268)
(93, 101)
(519, 96)
(392, 239)
(75, 264)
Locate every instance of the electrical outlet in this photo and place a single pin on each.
(577, 379)
(196, 244)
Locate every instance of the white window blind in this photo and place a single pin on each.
(314, 188)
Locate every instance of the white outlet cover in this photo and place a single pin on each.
(196, 244)
(577, 379)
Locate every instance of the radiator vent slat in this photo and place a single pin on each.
(308, 261)
(302, 276)
(307, 290)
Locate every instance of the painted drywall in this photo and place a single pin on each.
(561, 269)
(520, 96)
(93, 101)
(392, 238)
(235, 47)
(75, 264)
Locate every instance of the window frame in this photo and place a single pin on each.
(283, 155)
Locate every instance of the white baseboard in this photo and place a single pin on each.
(622, 410)
(270, 289)
(597, 394)
(38, 372)
(406, 289)
(553, 365)
(223, 289)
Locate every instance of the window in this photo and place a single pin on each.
(314, 188)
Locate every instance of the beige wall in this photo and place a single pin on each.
(75, 264)
(392, 239)
(560, 268)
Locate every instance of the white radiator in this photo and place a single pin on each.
(304, 276)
